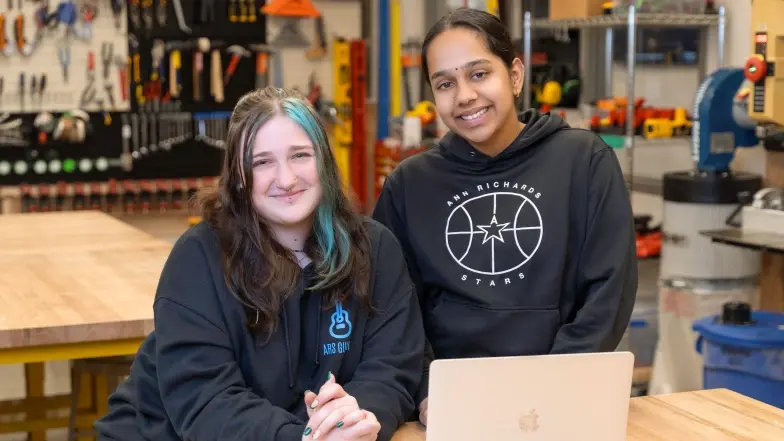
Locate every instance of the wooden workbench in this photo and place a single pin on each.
(76, 278)
(710, 415)
(73, 285)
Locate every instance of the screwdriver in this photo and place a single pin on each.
(117, 11)
(21, 89)
(64, 53)
(41, 87)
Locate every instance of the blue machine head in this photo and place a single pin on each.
(721, 122)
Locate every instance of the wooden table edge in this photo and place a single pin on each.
(414, 431)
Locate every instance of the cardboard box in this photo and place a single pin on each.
(566, 9)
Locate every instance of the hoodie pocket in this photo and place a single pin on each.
(460, 329)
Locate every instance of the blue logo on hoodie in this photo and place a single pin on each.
(340, 329)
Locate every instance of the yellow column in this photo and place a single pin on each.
(396, 77)
(492, 7)
(342, 136)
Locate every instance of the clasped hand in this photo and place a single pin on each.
(334, 415)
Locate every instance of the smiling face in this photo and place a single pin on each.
(286, 186)
(474, 90)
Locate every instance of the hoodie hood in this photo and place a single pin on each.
(538, 126)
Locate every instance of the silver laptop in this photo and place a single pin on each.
(569, 397)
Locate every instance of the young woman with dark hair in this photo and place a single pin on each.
(282, 290)
(523, 242)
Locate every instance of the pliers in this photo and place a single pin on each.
(107, 55)
(88, 94)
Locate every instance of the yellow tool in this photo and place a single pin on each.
(252, 14)
(549, 94)
(679, 125)
(657, 128)
(765, 67)
(175, 63)
(243, 11)
(233, 17)
(137, 79)
(425, 110)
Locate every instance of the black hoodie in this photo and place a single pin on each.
(202, 376)
(528, 252)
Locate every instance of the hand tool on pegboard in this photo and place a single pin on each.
(207, 12)
(318, 49)
(154, 87)
(107, 57)
(64, 55)
(243, 16)
(252, 16)
(233, 11)
(290, 12)
(147, 15)
(126, 159)
(261, 69)
(121, 62)
(21, 90)
(161, 13)
(41, 88)
(216, 78)
(5, 48)
(23, 46)
(202, 47)
(135, 13)
(89, 91)
(268, 52)
(175, 49)
(178, 12)
(87, 10)
(117, 7)
(237, 53)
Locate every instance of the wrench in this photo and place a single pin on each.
(181, 17)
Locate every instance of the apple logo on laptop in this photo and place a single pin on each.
(529, 422)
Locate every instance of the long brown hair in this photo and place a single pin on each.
(259, 271)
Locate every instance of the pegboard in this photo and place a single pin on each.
(41, 56)
(176, 138)
(36, 142)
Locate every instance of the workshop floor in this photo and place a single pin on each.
(169, 227)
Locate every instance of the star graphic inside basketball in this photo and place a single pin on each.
(493, 231)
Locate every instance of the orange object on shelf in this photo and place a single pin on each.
(649, 245)
(291, 8)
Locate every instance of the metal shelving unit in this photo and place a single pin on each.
(631, 21)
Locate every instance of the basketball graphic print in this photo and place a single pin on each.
(494, 233)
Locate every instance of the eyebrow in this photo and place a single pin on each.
(295, 148)
(468, 65)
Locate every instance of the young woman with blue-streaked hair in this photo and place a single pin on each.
(285, 315)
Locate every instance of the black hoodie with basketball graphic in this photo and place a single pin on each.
(528, 252)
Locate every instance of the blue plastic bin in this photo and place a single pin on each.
(748, 359)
